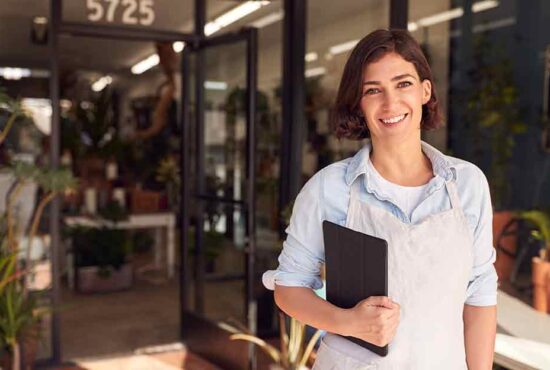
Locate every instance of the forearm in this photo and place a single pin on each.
(479, 336)
(305, 306)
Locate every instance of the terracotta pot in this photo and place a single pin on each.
(504, 263)
(541, 284)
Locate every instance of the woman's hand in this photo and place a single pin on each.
(374, 320)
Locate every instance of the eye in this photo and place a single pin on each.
(404, 84)
(371, 91)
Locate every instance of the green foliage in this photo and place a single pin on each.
(493, 114)
(92, 129)
(18, 314)
(213, 243)
(103, 247)
(113, 211)
(48, 179)
(541, 221)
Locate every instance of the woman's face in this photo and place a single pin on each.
(392, 99)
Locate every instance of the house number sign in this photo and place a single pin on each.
(127, 12)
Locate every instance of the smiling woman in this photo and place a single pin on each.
(433, 210)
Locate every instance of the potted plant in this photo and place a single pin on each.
(540, 265)
(20, 313)
(294, 353)
(101, 259)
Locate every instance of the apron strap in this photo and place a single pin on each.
(453, 194)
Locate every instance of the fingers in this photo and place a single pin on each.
(380, 301)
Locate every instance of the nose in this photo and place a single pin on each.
(390, 99)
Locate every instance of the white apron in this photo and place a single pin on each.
(429, 266)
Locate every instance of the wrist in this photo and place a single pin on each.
(341, 320)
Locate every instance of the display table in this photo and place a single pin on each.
(161, 222)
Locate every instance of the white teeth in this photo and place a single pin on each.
(394, 119)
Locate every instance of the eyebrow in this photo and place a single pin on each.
(396, 78)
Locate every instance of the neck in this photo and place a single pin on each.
(402, 163)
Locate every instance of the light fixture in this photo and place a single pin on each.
(484, 5)
(311, 57)
(40, 20)
(232, 16)
(342, 48)
(10, 73)
(448, 15)
(178, 46)
(39, 30)
(440, 17)
(268, 19)
(215, 85)
(146, 64)
(313, 72)
(102, 83)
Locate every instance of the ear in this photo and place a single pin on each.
(426, 91)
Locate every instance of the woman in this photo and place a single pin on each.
(434, 211)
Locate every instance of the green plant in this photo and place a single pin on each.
(92, 131)
(541, 220)
(294, 353)
(493, 115)
(20, 317)
(213, 242)
(168, 173)
(103, 247)
(14, 110)
(19, 309)
(113, 211)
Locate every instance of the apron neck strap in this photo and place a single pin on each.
(453, 194)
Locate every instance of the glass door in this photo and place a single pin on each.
(219, 215)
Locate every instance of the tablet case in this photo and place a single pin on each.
(356, 268)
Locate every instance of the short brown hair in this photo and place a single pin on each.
(347, 118)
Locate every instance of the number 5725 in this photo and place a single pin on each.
(130, 11)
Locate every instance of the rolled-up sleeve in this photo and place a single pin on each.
(303, 250)
(482, 288)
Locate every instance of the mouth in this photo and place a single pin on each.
(393, 120)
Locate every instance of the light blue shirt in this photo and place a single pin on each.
(326, 197)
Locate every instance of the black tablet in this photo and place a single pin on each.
(356, 268)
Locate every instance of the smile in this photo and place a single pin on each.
(393, 120)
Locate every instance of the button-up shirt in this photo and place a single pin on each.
(326, 196)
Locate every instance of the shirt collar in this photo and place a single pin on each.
(440, 164)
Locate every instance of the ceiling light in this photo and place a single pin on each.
(215, 85)
(40, 20)
(232, 16)
(312, 72)
(412, 26)
(448, 15)
(102, 83)
(484, 5)
(440, 17)
(14, 73)
(145, 64)
(268, 19)
(178, 46)
(342, 48)
(311, 57)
